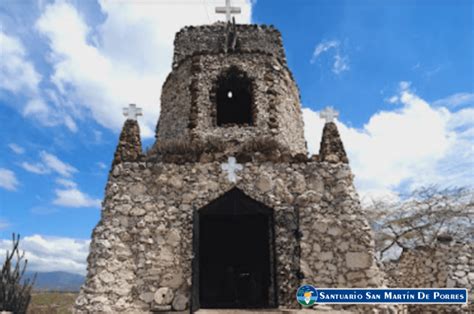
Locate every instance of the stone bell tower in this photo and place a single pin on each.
(227, 210)
(235, 91)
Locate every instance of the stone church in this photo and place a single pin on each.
(226, 210)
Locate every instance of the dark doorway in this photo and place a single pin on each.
(235, 254)
(234, 98)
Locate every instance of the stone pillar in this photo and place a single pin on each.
(129, 148)
(332, 149)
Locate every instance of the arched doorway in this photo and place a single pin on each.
(234, 260)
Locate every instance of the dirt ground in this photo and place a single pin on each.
(51, 302)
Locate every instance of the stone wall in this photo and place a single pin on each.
(141, 251)
(443, 265)
(210, 39)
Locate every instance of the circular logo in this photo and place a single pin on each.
(306, 295)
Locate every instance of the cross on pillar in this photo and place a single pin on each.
(132, 112)
(231, 167)
(329, 114)
(228, 10)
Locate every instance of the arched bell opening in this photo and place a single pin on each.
(233, 98)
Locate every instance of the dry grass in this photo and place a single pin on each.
(51, 302)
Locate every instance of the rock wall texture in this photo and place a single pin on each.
(129, 147)
(141, 252)
(188, 96)
(444, 265)
(210, 40)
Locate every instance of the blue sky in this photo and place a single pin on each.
(400, 73)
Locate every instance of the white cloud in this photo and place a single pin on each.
(17, 149)
(72, 197)
(4, 224)
(8, 180)
(66, 183)
(17, 74)
(37, 168)
(55, 164)
(49, 163)
(392, 100)
(52, 253)
(418, 144)
(340, 62)
(456, 100)
(101, 165)
(123, 60)
(323, 47)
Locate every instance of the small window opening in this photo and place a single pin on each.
(234, 99)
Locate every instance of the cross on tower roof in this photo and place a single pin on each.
(231, 167)
(132, 112)
(228, 10)
(329, 114)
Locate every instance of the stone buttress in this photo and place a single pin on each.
(144, 250)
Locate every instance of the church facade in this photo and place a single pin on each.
(226, 210)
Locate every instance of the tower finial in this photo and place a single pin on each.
(228, 10)
(132, 112)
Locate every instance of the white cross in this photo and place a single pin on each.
(231, 167)
(329, 114)
(228, 10)
(132, 112)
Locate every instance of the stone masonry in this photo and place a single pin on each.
(142, 250)
(447, 264)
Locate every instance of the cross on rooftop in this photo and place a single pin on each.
(132, 112)
(329, 114)
(231, 167)
(228, 10)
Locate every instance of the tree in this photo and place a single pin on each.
(429, 214)
(15, 296)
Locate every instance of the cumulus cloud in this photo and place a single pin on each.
(123, 60)
(340, 62)
(8, 180)
(17, 149)
(37, 168)
(72, 197)
(415, 145)
(52, 253)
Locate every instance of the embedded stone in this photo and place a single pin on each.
(334, 231)
(356, 260)
(173, 238)
(147, 297)
(137, 189)
(137, 211)
(180, 302)
(264, 183)
(106, 277)
(164, 296)
(326, 256)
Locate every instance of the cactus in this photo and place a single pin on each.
(15, 296)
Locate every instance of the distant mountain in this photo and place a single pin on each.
(56, 281)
